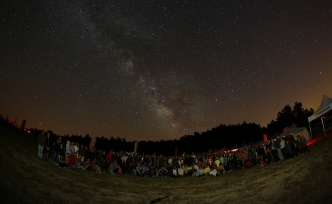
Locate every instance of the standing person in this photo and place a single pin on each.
(41, 143)
(277, 144)
(67, 151)
(62, 152)
(291, 140)
(81, 152)
(46, 150)
(76, 147)
(109, 156)
(299, 145)
(288, 149)
(47, 140)
(72, 148)
(282, 147)
(87, 153)
(135, 158)
(56, 148)
(305, 146)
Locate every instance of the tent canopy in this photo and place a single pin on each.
(295, 131)
(325, 106)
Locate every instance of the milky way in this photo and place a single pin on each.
(160, 69)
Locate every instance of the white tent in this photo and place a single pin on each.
(295, 131)
(325, 106)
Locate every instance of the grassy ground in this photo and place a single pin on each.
(26, 179)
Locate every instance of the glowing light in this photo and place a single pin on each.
(313, 141)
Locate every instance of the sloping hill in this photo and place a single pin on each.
(26, 179)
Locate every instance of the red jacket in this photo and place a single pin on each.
(109, 156)
(72, 160)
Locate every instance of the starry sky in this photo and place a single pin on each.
(151, 70)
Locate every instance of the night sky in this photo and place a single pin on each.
(151, 70)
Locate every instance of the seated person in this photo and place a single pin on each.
(207, 169)
(137, 170)
(221, 170)
(156, 172)
(93, 166)
(162, 172)
(123, 167)
(213, 172)
(151, 172)
(239, 164)
(145, 170)
(191, 170)
(227, 167)
(113, 168)
(217, 161)
(130, 168)
(62, 163)
(181, 170)
(195, 173)
(247, 164)
(73, 161)
(175, 173)
(86, 165)
(67, 159)
(169, 170)
(186, 170)
(200, 171)
(261, 161)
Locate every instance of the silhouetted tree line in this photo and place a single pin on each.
(214, 139)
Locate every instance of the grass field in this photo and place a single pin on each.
(26, 179)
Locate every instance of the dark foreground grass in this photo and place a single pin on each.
(26, 179)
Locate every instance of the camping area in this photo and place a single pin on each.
(26, 179)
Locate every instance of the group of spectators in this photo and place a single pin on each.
(75, 156)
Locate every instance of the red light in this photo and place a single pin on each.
(313, 141)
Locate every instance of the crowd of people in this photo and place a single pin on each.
(75, 156)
